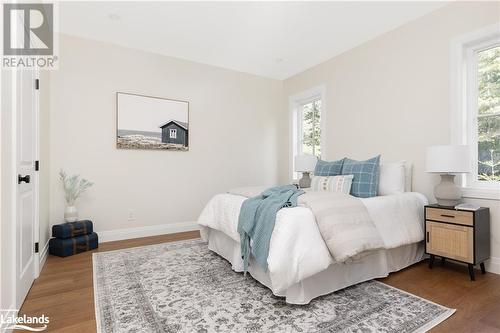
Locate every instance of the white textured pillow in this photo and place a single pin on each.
(408, 175)
(392, 178)
(332, 183)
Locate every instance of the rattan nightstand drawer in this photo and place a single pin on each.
(450, 216)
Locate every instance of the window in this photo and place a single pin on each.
(309, 129)
(488, 114)
(307, 124)
(476, 108)
(173, 133)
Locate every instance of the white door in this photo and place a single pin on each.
(27, 188)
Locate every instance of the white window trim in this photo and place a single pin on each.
(295, 102)
(463, 98)
(174, 132)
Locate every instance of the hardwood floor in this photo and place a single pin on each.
(477, 303)
(64, 292)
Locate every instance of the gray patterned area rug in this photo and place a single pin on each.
(184, 287)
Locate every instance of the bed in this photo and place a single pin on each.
(300, 265)
(303, 260)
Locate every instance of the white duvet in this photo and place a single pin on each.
(297, 250)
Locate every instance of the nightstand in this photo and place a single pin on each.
(460, 235)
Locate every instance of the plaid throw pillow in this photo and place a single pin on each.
(324, 168)
(366, 176)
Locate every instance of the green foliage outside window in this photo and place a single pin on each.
(489, 114)
(311, 128)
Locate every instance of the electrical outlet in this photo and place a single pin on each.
(131, 215)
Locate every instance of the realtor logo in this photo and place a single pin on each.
(28, 29)
(28, 35)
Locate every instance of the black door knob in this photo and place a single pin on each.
(25, 179)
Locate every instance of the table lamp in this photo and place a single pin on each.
(448, 160)
(305, 163)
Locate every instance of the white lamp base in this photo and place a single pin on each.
(447, 192)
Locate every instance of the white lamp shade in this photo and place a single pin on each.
(448, 159)
(305, 163)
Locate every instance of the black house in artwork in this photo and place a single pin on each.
(175, 132)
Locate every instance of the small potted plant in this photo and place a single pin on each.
(73, 186)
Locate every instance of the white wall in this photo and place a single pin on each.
(391, 95)
(233, 134)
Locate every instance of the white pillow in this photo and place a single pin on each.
(332, 183)
(393, 178)
(408, 174)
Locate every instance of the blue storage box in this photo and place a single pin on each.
(69, 246)
(72, 229)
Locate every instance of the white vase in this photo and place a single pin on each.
(70, 213)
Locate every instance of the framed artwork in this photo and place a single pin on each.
(146, 122)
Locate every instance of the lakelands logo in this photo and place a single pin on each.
(28, 35)
(9, 321)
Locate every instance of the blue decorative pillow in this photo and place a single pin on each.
(366, 176)
(324, 168)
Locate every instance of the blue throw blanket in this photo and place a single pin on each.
(257, 218)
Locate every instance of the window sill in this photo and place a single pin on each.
(481, 193)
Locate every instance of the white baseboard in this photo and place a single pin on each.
(493, 265)
(40, 258)
(44, 254)
(152, 230)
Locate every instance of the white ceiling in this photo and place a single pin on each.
(272, 39)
